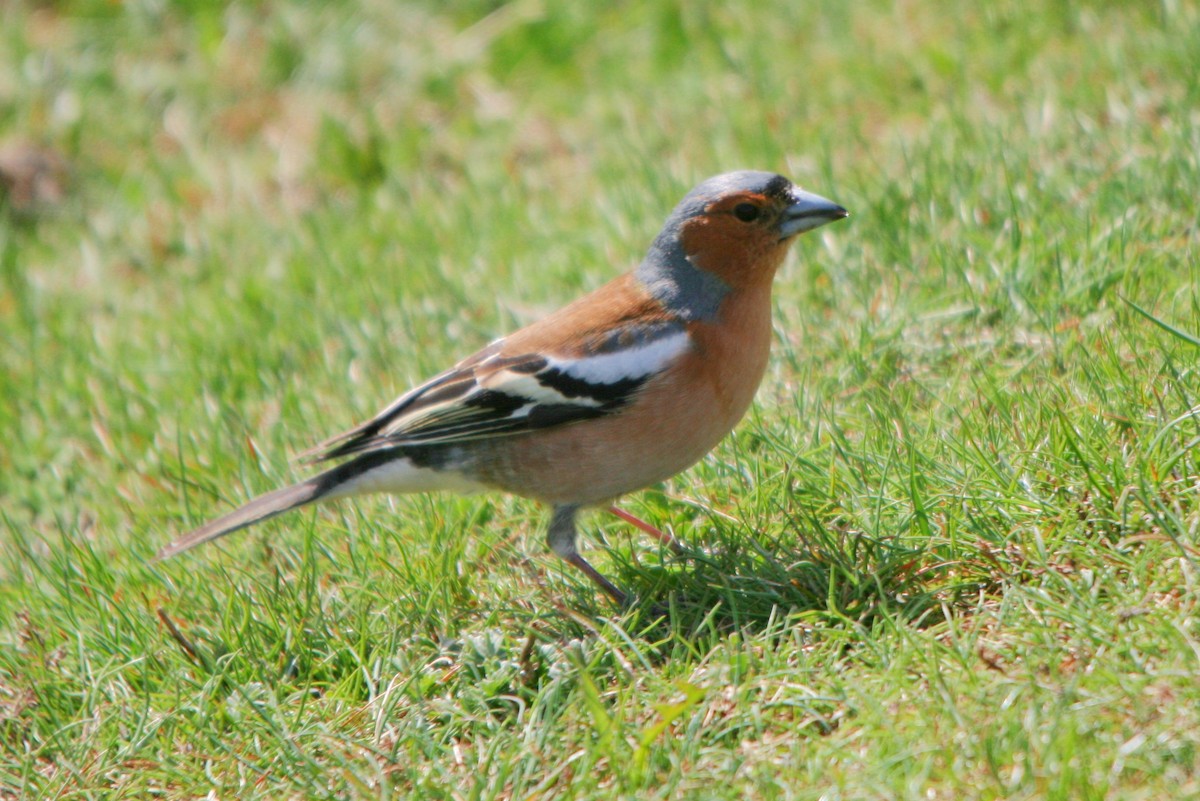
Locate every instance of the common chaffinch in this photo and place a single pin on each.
(625, 387)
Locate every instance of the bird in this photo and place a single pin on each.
(623, 388)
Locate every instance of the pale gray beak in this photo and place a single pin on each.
(806, 212)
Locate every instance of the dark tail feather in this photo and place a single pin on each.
(258, 510)
(333, 483)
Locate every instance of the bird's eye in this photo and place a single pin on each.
(746, 212)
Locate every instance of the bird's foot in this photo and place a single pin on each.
(666, 539)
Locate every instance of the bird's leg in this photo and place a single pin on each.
(561, 538)
(637, 522)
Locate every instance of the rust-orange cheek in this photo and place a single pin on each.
(741, 255)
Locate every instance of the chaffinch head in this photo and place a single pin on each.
(623, 388)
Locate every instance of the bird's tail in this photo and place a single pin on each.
(382, 470)
(261, 508)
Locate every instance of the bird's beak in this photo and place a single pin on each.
(806, 212)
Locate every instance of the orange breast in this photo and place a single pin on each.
(675, 421)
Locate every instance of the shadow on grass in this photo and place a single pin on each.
(745, 580)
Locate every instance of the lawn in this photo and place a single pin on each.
(950, 554)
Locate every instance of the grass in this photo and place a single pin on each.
(951, 554)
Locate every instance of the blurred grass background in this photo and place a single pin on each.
(951, 554)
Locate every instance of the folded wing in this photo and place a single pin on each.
(495, 393)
